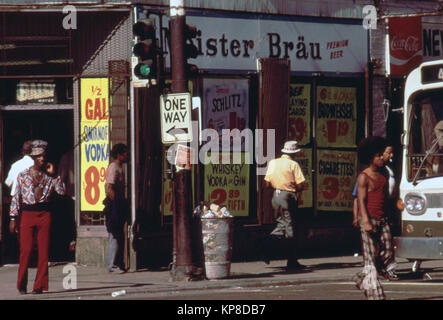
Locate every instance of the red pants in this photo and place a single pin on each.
(40, 221)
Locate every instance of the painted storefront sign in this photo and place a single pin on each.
(336, 179)
(94, 126)
(336, 116)
(234, 43)
(299, 121)
(227, 184)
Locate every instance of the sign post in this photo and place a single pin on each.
(182, 265)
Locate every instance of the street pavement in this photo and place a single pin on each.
(77, 282)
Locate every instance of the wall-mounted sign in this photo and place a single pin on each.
(94, 126)
(405, 44)
(36, 92)
(235, 43)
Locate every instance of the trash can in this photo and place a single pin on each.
(217, 246)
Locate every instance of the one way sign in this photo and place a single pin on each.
(175, 112)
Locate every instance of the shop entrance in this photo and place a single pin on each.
(55, 127)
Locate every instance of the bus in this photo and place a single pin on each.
(421, 185)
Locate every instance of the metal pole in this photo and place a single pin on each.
(182, 180)
(177, 25)
(132, 153)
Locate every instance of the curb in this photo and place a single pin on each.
(183, 286)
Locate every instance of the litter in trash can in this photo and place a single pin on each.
(217, 231)
(211, 211)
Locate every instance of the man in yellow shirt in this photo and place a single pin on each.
(286, 177)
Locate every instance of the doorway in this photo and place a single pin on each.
(57, 128)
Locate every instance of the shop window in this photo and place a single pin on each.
(336, 127)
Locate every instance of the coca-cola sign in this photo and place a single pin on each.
(408, 44)
(405, 45)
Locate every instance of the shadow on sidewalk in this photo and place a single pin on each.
(137, 285)
(278, 271)
(329, 266)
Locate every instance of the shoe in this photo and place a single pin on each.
(391, 275)
(37, 291)
(22, 291)
(117, 270)
(261, 251)
(295, 266)
(264, 257)
(113, 269)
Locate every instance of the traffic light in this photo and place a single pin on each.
(145, 50)
(190, 50)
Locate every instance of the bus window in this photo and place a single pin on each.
(426, 135)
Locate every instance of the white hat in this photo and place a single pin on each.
(290, 147)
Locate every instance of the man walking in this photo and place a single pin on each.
(116, 208)
(285, 176)
(31, 200)
(374, 226)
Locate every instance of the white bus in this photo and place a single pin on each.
(421, 186)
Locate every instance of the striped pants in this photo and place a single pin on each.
(378, 256)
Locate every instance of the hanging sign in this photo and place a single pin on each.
(94, 126)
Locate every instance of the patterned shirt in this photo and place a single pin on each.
(24, 193)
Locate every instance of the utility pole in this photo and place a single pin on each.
(182, 179)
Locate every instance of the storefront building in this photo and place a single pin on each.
(304, 69)
(301, 77)
(63, 81)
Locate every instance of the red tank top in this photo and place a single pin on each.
(376, 197)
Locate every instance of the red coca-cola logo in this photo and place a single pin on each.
(408, 44)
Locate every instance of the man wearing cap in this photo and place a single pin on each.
(286, 177)
(31, 201)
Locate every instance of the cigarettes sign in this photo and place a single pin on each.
(175, 112)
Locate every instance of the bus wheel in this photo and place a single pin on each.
(416, 265)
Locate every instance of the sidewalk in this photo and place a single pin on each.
(96, 283)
